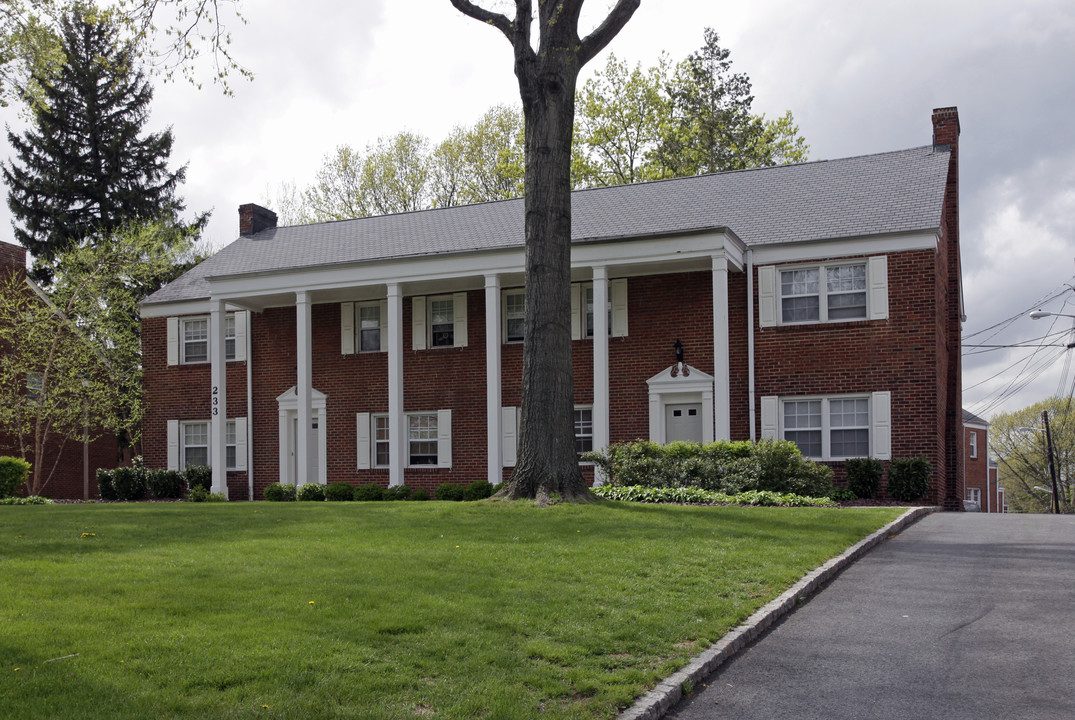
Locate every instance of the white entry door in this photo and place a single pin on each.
(683, 422)
(293, 443)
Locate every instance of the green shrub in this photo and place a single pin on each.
(165, 484)
(311, 492)
(697, 496)
(418, 494)
(28, 500)
(843, 495)
(340, 492)
(104, 484)
(908, 479)
(477, 490)
(198, 494)
(449, 491)
(199, 475)
(369, 492)
(730, 467)
(276, 492)
(864, 476)
(129, 483)
(397, 492)
(13, 473)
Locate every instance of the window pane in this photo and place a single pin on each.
(801, 309)
(846, 278)
(583, 430)
(422, 439)
(380, 435)
(195, 456)
(799, 282)
(850, 443)
(195, 340)
(847, 307)
(809, 441)
(442, 322)
(370, 340)
(802, 414)
(846, 286)
(514, 313)
(196, 434)
(850, 413)
(588, 319)
(369, 324)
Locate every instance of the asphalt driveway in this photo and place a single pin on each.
(963, 615)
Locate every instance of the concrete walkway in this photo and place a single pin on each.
(962, 615)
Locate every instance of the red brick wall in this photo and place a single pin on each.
(898, 354)
(976, 473)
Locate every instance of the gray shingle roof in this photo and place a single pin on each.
(972, 419)
(892, 192)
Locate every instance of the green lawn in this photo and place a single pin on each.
(381, 610)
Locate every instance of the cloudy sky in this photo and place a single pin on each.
(859, 77)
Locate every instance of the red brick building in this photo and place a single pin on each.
(981, 488)
(818, 302)
(73, 464)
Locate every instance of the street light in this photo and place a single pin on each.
(1039, 314)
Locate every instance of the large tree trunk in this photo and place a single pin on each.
(547, 465)
(547, 462)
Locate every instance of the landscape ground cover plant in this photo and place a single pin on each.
(381, 610)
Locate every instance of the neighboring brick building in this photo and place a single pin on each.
(75, 462)
(981, 489)
(818, 302)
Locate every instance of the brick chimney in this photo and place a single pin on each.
(946, 137)
(254, 218)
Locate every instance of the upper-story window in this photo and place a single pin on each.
(823, 293)
(189, 338)
(514, 315)
(973, 445)
(588, 322)
(369, 327)
(441, 322)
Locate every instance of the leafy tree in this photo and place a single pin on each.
(710, 127)
(547, 466)
(395, 174)
(337, 192)
(71, 360)
(1022, 459)
(618, 125)
(192, 30)
(481, 163)
(85, 169)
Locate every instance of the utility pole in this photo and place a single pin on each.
(1052, 465)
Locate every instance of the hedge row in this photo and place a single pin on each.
(138, 482)
(345, 491)
(696, 496)
(727, 467)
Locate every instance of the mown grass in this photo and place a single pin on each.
(381, 610)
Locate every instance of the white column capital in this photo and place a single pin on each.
(720, 261)
(600, 272)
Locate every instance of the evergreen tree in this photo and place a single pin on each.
(84, 169)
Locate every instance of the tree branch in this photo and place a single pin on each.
(497, 20)
(602, 35)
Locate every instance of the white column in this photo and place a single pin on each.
(304, 438)
(722, 421)
(493, 415)
(600, 364)
(396, 429)
(218, 412)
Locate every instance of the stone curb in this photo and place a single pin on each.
(654, 704)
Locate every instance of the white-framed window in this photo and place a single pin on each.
(421, 439)
(369, 327)
(974, 495)
(439, 321)
(973, 445)
(583, 429)
(582, 309)
(824, 292)
(428, 439)
(195, 444)
(190, 442)
(831, 427)
(188, 338)
(514, 315)
(195, 347)
(381, 448)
